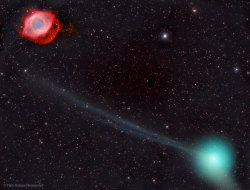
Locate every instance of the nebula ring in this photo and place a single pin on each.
(40, 26)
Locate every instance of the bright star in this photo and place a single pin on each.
(236, 69)
(165, 36)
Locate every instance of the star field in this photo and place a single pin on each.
(177, 68)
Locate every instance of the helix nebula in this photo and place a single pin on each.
(40, 26)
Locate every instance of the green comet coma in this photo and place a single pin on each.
(214, 160)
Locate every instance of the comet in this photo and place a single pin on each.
(214, 161)
(213, 158)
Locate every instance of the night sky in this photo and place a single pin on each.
(178, 68)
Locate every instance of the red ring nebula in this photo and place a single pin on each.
(40, 26)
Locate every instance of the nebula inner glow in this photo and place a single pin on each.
(40, 26)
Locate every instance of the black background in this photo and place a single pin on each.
(194, 84)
